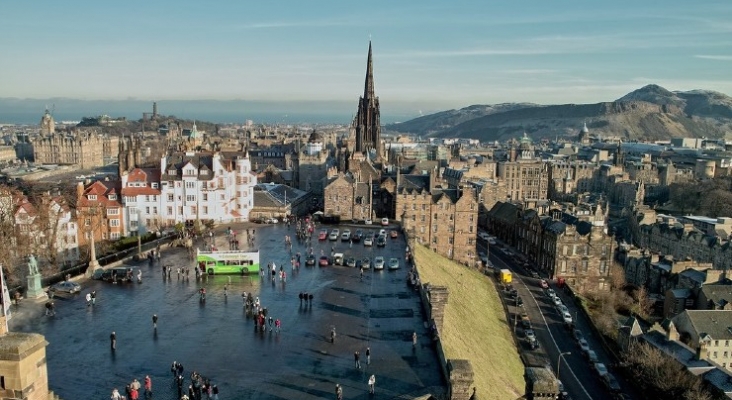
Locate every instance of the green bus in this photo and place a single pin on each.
(228, 262)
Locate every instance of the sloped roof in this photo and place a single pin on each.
(715, 323)
(415, 182)
(718, 294)
(201, 161)
(505, 212)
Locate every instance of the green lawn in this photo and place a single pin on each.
(475, 326)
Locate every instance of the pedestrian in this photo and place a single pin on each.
(148, 387)
(225, 289)
(271, 323)
(339, 392)
(113, 341)
(372, 384)
(284, 276)
(115, 395)
(361, 274)
(414, 340)
(215, 392)
(135, 384)
(134, 394)
(155, 321)
(332, 335)
(357, 359)
(368, 355)
(278, 324)
(174, 369)
(94, 297)
(88, 299)
(139, 276)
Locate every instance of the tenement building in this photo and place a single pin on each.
(349, 198)
(445, 220)
(569, 245)
(99, 212)
(526, 176)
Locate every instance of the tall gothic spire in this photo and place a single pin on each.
(368, 91)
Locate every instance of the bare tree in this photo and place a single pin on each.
(642, 305)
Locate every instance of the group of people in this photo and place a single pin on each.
(132, 390)
(198, 386)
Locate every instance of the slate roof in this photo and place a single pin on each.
(280, 192)
(715, 323)
(202, 161)
(415, 182)
(718, 294)
(505, 212)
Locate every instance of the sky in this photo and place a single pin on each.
(427, 55)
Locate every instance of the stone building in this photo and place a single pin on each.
(526, 177)
(576, 249)
(367, 124)
(349, 198)
(312, 166)
(84, 149)
(99, 212)
(278, 201)
(708, 332)
(445, 220)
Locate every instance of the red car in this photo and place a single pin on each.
(323, 234)
(323, 262)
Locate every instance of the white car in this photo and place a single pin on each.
(600, 368)
(557, 300)
(334, 234)
(393, 263)
(368, 241)
(567, 318)
(346, 236)
(368, 222)
(379, 263)
(385, 221)
(563, 309)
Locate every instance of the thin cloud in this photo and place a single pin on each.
(293, 24)
(713, 57)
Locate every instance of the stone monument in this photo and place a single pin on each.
(35, 290)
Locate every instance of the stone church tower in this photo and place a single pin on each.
(367, 123)
(130, 153)
(48, 126)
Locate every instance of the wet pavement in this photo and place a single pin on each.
(216, 338)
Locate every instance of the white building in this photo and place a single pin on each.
(141, 200)
(206, 186)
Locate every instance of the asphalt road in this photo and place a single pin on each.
(579, 380)
(216, 338)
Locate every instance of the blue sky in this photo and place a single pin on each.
(432, 55)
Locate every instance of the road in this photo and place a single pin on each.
(216, 338)
(579, 380)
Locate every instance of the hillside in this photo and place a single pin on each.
(651, 112)
(474, 306)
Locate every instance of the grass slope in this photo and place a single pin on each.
(475, 326)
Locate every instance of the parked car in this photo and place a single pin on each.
(591, 356)
(67, 287)
(534, 274)
(382, 232)
(346, 236)
(583, 345)
(385, 221)
(334, 234)
(611, 383)
(310, 260)
(323, 261)
(119, 274)
(529, 333)
(368, 241)
(379, 263)
(578, 334)
(357, 236)
(393, 263)
(519, 301)
(366, 263)
(323, 234)
(271, 221)
(381, 241)
(351, 262)
(393, 234)
(368, 222)
(567, 317)
(557, 301)
(600, 368)
(550, 292)
(338, 259)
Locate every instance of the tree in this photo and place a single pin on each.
(643, 305)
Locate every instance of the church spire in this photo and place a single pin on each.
(368, 91)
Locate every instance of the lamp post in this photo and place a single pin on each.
(559, 360)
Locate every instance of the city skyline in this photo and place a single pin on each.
(426, 57)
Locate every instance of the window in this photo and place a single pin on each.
(114, 223)
(205, 197)
(154, 185)
(170, 197)
(87, 222)
(223, 196)
(205, 210)
(112, 197)
(114, 235)
(92, 197)
(180, 210)
(147, 210)
(190, 197)
(170, 210)
(190, 185)
(155, 210)
(112, 211)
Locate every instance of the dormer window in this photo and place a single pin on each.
(154, 185)
(190, 172)
(171, 172)
(112, 197)
(204, 172)
(92, 197)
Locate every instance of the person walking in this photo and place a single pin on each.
(88, 299)
(50, 308)
(115, 395)
(155, 321)
(414, 340)
(361, 275)
(357, 359)
(215, 392)
(278, 324)
(339, 392)
(148, 387)
(113, 341)
(94, 297)
(332, 335)
(372, 384)
(368, 355)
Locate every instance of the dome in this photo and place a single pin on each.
(315, 137)
(584, 128)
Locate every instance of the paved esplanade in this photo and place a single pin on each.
(216, 339)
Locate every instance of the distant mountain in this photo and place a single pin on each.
(650, 112)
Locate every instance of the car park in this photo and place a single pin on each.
(384, 221)
(66, 287)
(381, 241)
(351, 262)
(323, 234)
(323, 261)
(379, 263)
(368, 241)
(393, 234)
(366, 263)
(393, 263)
(310, 260)
(583, 345)
(334, 234)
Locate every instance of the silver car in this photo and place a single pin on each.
(393, 263)
(379, 263)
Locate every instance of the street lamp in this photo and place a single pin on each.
(559, 360)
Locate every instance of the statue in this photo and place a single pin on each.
(33, 265)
